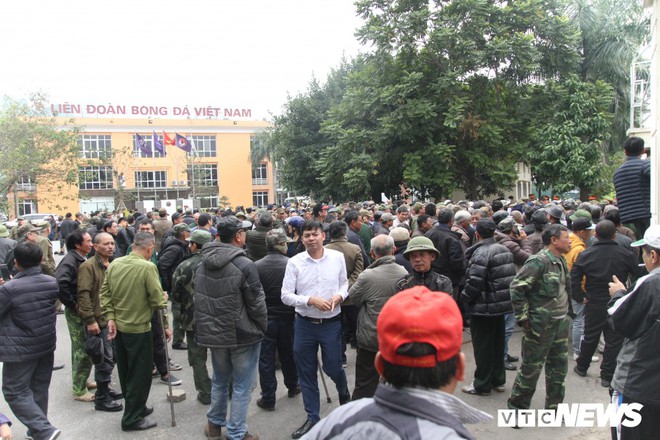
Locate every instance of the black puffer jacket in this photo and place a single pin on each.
(489, 274)
(67, 278)
(171, 254)
(632, 182)
(271, 270)
(256, 243)
(230, 306)
(27, 316)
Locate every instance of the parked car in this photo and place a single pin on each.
(32, 218)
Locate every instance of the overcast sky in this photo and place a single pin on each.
(242, 53)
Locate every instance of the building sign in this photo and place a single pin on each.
(185, 111)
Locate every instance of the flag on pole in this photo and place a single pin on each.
(167, 140)
(158, 145)
(142, 145)
(182, 142)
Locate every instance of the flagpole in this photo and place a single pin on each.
(135, 160)
(153, 154)
(193, 153)
(176, 162)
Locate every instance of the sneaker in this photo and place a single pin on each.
(87, 397)
(213, 431)
(180, 346)
(470, 389)
(204, 399)
(593, 358)
(174, 366)
(55, 434)
(499, 389)
(172, 379)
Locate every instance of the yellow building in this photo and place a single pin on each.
(118, 171)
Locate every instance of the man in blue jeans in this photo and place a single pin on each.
(315, 284)
(231, 318)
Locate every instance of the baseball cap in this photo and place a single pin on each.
(581, 213)
(581, 223)
(386, 217)
(180, 228)
(651, 238)
(24, 229)
(507, 224)
(230, 225)
(3, 231)
(200, 237)
(412, 316)
(486, 227)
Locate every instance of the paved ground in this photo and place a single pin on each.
(79, 421)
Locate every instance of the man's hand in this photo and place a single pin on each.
(320, 303)
(93, 329)
(168, 334)
(335, 301)
(616, 285)
(5, 432)
(112, 330)
(166, 296)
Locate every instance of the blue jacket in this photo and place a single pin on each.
(27, 316)
(632, 182)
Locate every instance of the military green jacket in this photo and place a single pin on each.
(542, 288)
(183, 288)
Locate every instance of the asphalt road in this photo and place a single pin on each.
(79, 421)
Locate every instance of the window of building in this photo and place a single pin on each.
(260, 174)
(149, 142)
(203, 146)
(26, 183)
(95, 146)
(95, 177)
(205, 174)
(26, 206)
(151, 179)
(260, 198)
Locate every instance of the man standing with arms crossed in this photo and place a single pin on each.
(540, 295)
(130, 293)
(315, 284)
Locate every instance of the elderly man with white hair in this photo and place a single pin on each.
(462, 225)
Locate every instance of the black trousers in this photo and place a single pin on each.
(134, 360)
(595, 322)
(349, 314)
(488, 343)
(648, 427)
(159, 354)
(366, 375)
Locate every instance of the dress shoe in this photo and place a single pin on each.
(500, 389)
(510, 358)
(263, 405)
(180, 346)
(293, 392)
(249, 436)
(344, 398)
(142, 425)
(107, 404)
(204, 399)
(213, 431)
(58, 366)
(605, 383)
(581, 373)
(304, 429)
(116, 395)
(509, 366)
(147, 411)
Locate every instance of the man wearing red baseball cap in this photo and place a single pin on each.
(420, 360)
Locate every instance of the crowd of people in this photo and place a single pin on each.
(263, 288)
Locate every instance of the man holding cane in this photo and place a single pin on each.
(129, 294)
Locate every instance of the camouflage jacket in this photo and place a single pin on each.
(183, 288)
(537, 292)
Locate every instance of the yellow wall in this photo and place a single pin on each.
(232, 146)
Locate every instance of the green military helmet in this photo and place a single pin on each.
(420, 244)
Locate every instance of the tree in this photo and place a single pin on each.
(571, 135)
(33, 143)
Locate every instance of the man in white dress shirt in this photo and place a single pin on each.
(315, 284)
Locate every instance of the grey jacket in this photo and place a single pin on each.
(230, 305)
(372, 289)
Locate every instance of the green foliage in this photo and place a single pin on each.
(571, 135)
(32, 143)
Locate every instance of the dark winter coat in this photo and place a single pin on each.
(489, 274)
(172, 253)
(230, 305)
(27, 316)
(256, 243)
(271, 270)
(632, 182)
(451, 262)
(67, 278)
(520, 249)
